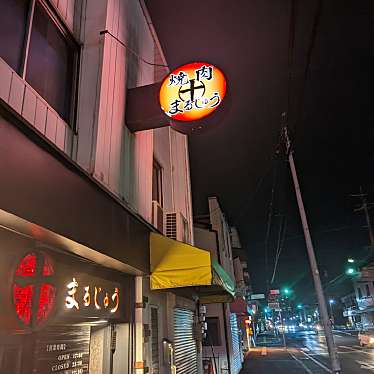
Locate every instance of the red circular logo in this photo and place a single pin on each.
(33, 294)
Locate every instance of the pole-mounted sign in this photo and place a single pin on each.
(184, 99)
(192, 91)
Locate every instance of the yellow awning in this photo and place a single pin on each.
(175, 264)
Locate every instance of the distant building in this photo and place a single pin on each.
(364, 291)
(240, 256)
(223, 344)
(350, 309)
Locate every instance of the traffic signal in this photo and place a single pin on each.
(351, 268)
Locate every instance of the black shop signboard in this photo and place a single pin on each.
(52, 288)
(49, 301)
(63, 349)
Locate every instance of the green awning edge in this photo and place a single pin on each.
(222, 278)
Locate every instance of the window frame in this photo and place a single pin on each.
(359, 292)
(160, 181)
(367, 289)
(217, 323)
(71, 41)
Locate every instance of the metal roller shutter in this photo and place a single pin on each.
(185, 349)
(154, 341)
(236, 354)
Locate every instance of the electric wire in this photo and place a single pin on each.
(103, 32)
(291, 49)
(313, 37)
(269, 224)
(281, 241)
(291, 44)
(282, 213)
(255, 192)
(278, 247)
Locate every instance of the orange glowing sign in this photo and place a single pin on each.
(192, 91)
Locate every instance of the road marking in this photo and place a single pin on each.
(264, 351)
(361, 351)
(305, 349)
(317, 362)
(365, 365)
(300, 363)
(343, 332)
(346, 347)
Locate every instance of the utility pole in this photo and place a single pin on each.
(364, 207)
(334, 359)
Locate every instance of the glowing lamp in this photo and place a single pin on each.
(192, 91)
(29, 282)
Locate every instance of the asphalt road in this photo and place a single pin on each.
(307, 353)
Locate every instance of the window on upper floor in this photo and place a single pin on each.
(367, 290)
(13, 24)
(213, 334)
(157, 194)
(359, 292)
(40, 49)
(186, 231)
(157, 197)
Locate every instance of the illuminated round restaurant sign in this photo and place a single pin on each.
(192, 91)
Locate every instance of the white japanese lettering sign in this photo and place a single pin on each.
(93, 299)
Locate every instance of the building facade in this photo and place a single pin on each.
(350, 310)
(223, 345)
(81, 193)
(364, 291)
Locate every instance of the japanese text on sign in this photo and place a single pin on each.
(94, 295)
(192, 92)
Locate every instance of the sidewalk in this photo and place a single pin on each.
(271, 357)
(263, 360)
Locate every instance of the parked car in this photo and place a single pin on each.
(366, 337)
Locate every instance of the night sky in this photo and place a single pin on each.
(333, 131)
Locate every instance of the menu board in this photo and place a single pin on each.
(62, 350)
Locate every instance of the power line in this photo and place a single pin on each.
(103, 32)
(332, 350)
(312, 42)
(365, 207)
(291, 47)
(268, 226)
(281, 240)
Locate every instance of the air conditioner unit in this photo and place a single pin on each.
(157, 216)
(177, 227)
